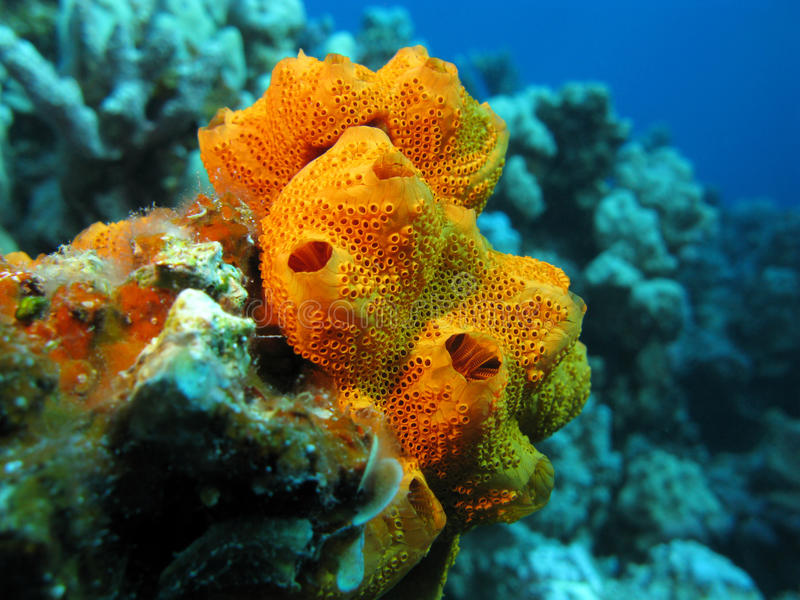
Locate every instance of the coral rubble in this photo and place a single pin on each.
(161, 344)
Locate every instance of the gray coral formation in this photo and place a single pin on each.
(692, 325)
(530, 565)
(384, 30)
(100, 103)
(625, 216)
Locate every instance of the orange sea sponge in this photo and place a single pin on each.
(400, 536)
(367, 186)
(457, 144)
(393, 291)
(372, 557)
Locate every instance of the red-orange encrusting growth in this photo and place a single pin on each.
(92, 308)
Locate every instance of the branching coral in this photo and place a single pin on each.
(111, 93)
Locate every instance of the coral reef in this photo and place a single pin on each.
(744, 290)
(683, 462)
(489, 73)
(636, 215)
(129, 383)
(432, 362)
(534, 566)
(497, 227)
(654, 506)
(384, 30)
(692, 342)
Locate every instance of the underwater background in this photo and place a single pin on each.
(653, 156)
(720, 76)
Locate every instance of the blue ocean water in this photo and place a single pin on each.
(722, 75)
(680, 479)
